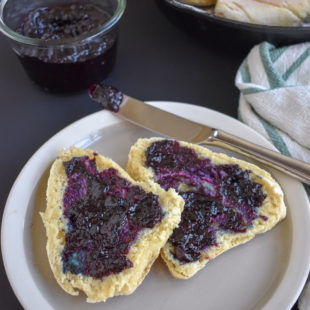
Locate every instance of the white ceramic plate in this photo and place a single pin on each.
(266, 273)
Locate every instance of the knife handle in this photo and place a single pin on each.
(295, 168)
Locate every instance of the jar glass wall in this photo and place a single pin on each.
(63, 46)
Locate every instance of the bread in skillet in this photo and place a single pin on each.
(265, 12)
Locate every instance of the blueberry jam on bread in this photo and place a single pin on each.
(217, 197)
(227, 201)
(105, 214)
(104, 229)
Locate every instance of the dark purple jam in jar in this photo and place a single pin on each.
(218, 198)
(105, 215)
(72, 66)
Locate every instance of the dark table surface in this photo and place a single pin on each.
(161, 56)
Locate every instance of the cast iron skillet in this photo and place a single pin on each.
(232, 31)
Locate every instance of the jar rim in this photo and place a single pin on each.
(100, 30)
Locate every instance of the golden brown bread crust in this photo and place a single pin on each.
(265, 12)
(273, 206)
(142, 253)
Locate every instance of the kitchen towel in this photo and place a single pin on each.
(274, 86)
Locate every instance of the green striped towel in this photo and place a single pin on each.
(274, 86)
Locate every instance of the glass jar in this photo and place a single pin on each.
(63, 62)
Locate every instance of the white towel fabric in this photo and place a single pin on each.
(274, 86)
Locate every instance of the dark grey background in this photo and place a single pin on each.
(161, 56)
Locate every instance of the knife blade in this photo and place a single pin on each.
(162, 122)
(176, 127)
(173, 126)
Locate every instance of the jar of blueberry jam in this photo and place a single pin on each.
(64, 45)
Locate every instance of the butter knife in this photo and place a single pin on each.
(176, 127)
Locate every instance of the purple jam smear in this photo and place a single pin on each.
(109, 97)
(62, 21)
(105, 215)
(72, 67)
(218, 198)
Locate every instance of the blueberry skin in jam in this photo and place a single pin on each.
(218, 198)
(108, 97)
(105, 215)
(68, 68)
